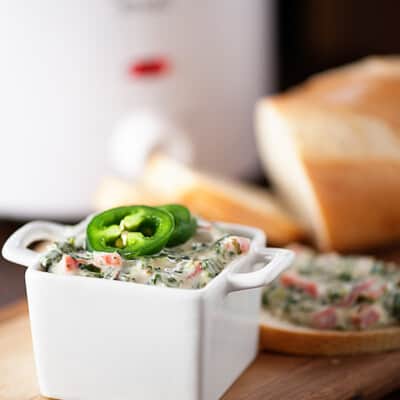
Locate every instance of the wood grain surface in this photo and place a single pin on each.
(271, 376)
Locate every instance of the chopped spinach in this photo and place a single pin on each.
(345, 276)
(90, 268)
(52, 257)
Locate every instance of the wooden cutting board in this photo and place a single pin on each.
(271, 376)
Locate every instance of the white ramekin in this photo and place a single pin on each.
(101, 339)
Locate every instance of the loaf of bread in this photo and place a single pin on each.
(217, 199)
(331, 146)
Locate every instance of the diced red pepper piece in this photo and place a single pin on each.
(237, 244)
(112, 259)
(291, 279)
(366, 317)
(325, 319)
(244, 244)
(70, 263)
(197, 270)
(356, 291)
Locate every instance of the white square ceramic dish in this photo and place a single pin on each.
(101, 339)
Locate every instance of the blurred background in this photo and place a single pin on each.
(88, 87)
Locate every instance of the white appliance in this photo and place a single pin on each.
(71, 70)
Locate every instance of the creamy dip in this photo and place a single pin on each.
(190, 265)
(329, 291)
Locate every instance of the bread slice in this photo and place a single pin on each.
(332, 148)
(283, 337)
(167, 181)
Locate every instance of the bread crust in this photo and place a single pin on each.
(359, 202)
(370, 87)
(286, 338)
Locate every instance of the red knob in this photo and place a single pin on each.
(155, 66)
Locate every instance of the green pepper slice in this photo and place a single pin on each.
(185, 224)
(131, 231)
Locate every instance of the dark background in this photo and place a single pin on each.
(315, 35)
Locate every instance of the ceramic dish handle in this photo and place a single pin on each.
(16, 249)
(277, 261)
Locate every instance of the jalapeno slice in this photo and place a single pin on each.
(185, 224)
(131, 231)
